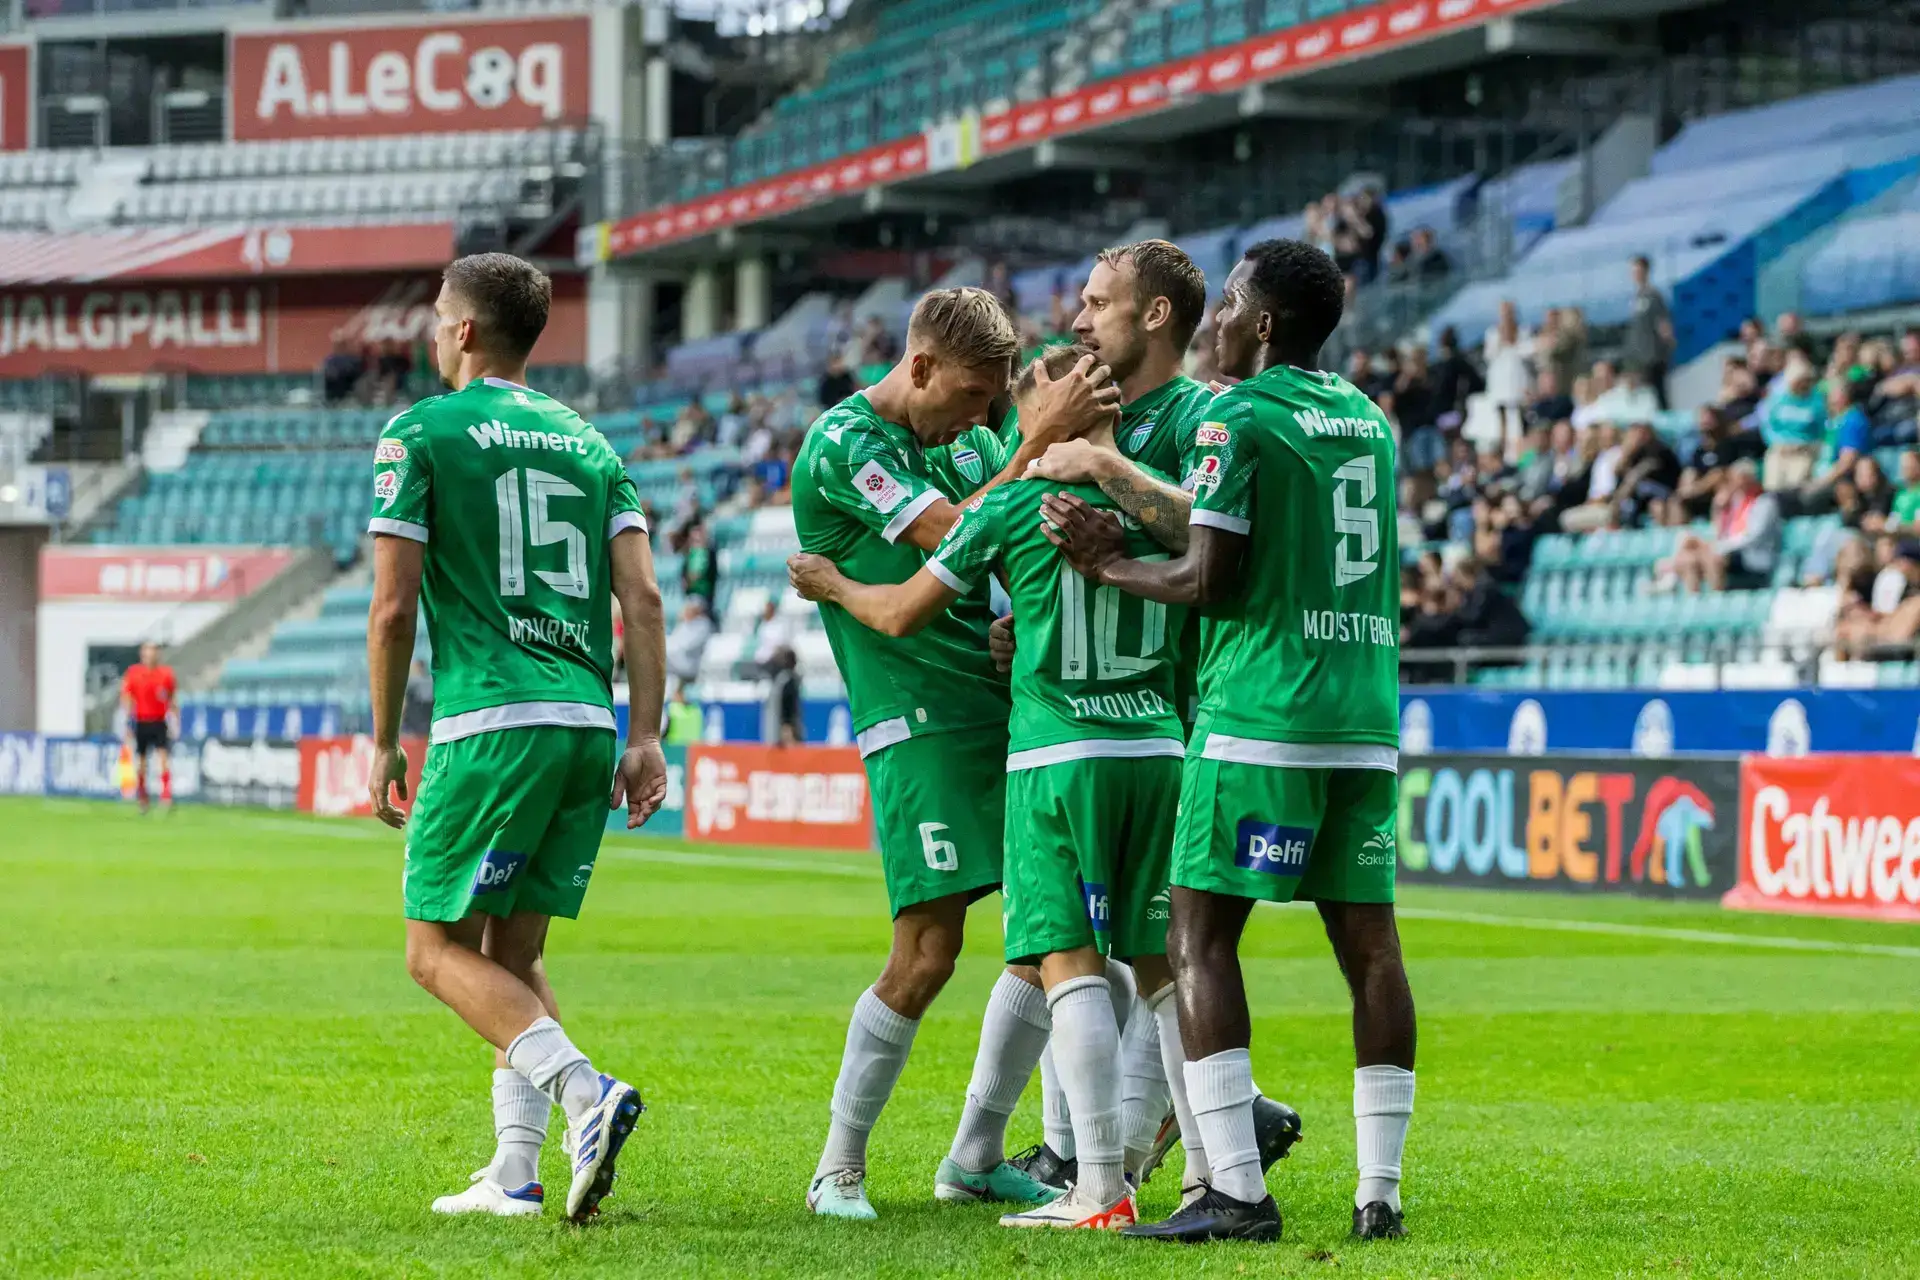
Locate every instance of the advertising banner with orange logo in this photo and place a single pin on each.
(1586, 824)
(1830, 835)
(809, 797)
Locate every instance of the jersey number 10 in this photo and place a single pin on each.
(541, 531)
(1108, 663)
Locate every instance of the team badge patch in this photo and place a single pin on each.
(390, 451)
(1270, 848)
(1138, 440)
(967, 462)
(1212, 433)
(386, 487)
(877, 486)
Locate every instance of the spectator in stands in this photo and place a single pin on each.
(1746, 544)
(341, 371)
(1454, 378)
(1503, 538)
(1795, 426)
(1562, 345)
(731, 427)
(1848, 437)
(1790, 334)
(1906, 501)
(773, 633)
(686, 722)
(1550, 402)
(1548, 470)
(1721, 442)
(1427, 262)
(836, 384)
(1508, 351)
(1739, 393)
(416, 706)
(1649, 339)
(1649, 472)
(687, 642)
(699, 567)
(1595, 509)
(392, 372)
(1363, 218)
(1888, 616)
(1617, 397)
(781, 722)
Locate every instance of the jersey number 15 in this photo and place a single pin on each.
(539, 529)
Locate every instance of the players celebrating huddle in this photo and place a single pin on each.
(1191, 709)
(1127, 834)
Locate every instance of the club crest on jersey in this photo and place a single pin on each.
(390, 451)
(1212, 433)
(967, 462)
(386, 487)
(1138, 440)
(1270, 848)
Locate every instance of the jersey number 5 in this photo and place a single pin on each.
(540, 530)
(1356, 526)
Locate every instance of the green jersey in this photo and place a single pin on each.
(1093, 672)
(516, 499)
(1303, 667)
(1906, 507)
(1155, 430)
(858, 483)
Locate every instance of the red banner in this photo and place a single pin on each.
(44, 257)
(1359, 33)
(443, 77)
(1830, 835)
(149, 573)
(16, 96)
(265, 327)
(333, 775)
(809, 797)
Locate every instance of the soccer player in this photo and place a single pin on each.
(1290, 786)
(514, 523)
(153, 721)
(929, 713)
(1092, 785)
(1139, 309)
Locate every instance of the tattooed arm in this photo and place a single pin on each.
(1161, 508)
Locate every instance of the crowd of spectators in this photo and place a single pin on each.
(369, 373)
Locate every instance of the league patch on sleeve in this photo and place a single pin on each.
(386, 487)
(390, 451)
(1207, 474)
(1213, 433)
(877, 486)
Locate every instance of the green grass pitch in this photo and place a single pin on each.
(212, 1063)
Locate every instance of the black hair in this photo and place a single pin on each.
(1302, 288)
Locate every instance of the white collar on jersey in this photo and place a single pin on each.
(502, 382)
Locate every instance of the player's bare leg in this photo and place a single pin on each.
(140, 778)
(448, 961)
(1013, 1034)
(926, 942)
(1366, 942)
(166, 777)
(508, 1185)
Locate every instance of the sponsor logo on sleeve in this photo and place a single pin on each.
(390, 451)
(386, 487)
(1270, 848)
(497, 871)
(1212, 433)
(877, 486)
(1207, 474)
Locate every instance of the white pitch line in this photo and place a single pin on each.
(1657, 931)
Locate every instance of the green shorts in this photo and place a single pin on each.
(1279, 833)
(1088, 843)
(938, 802)
(508, 821)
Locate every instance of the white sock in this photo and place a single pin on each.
(543, 1054)
(520, 1115)
(1125, 991)
(878, 1040)
(1221, 1090)
(1382, 1106)
(1173, 1065)
(1056, 1117)
(1086, 1049)
(1012, 1036)
(1143, 1083)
